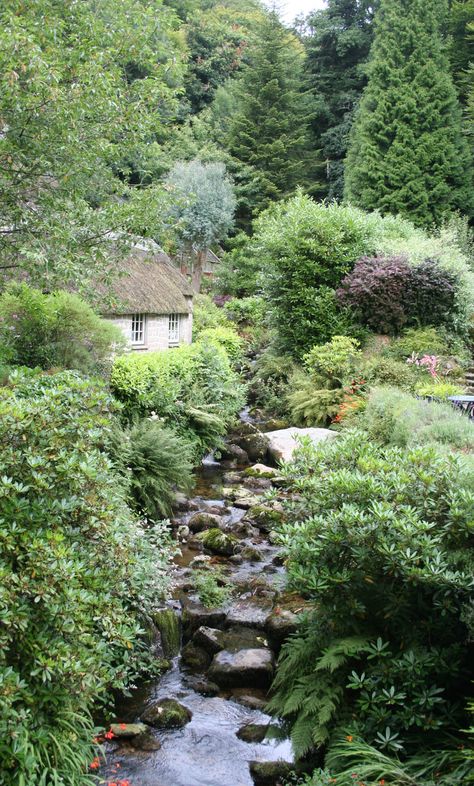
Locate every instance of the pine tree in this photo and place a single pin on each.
(338, 46)
(407, 153)
(461, 29)
(269, 135)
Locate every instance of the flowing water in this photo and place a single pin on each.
(207, 750)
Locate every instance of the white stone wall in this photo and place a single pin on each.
(156, 331)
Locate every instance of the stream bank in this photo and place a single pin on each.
(217, 685)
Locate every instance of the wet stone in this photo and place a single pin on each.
(126, 731)
(167, 714)
(203, 686)
(251, 554)
(219, 542)
(195, 658)
(233, 452)
(209, 639)
(249, 667)
(254, 700)
(281, 624)
(248, 614)
(253, 732)
(270, 773)
(202, 521)
(195, 615)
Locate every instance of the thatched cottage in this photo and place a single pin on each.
(151, 301)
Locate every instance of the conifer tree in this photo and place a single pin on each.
(407, 153)
(338, 46)
(269, 135)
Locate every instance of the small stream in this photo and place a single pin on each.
(206, 751)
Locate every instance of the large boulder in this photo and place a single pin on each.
(250, 614)
(196, 614)
(195, 658)
(218, 542)
(167, 714)
(251, 440)
(202, 521)
(281, 624)
(284, 442)
(250, 667)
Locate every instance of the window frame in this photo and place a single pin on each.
(174, 330)
(140, 331)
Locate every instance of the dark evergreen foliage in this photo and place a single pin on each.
(270, 130)
(337, 50)
(407, 153)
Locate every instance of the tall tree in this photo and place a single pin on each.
(203, 208)
(461, 28)
(84, 88)
(407, 153)
(269, 134)
(338, 40)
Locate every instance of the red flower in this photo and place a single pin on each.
(123, 725)
(109, 735)
(95, 763)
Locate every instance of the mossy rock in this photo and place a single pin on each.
(167, 714)
(199, 522)
(253, 732)
(218, 542)
(167, 622)
(265, 517)
(270, 773)
(195, 658)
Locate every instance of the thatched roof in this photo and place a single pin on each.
(148, 284)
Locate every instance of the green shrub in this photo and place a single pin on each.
(419, 341)
(393, 417)
(331, 363)
(206, 315)
(247, 311)
(193, 388)
(78, 577)
(228, 338)
(55, 331)
(156, 463)
(305, 249)
(438, 390)
(380, 370)
(382, 546)
(270, 383)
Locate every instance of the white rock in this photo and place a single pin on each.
(283, 443)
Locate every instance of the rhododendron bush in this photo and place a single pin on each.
(78, 576)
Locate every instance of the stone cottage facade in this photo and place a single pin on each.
(151, 301)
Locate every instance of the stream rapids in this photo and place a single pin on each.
(207, 751)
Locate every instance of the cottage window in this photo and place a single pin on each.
(173, 329)
(138, 329)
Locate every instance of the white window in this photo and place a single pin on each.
(138, 329)
(173, 329)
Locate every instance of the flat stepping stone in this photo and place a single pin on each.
(250, 667)
(248, 614)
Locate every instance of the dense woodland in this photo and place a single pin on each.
(330, 165)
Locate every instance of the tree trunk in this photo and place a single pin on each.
(197, 269)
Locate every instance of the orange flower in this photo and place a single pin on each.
(109, 735)
(382, 782)
(349, 738)
(123, 725)
(95, 763)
